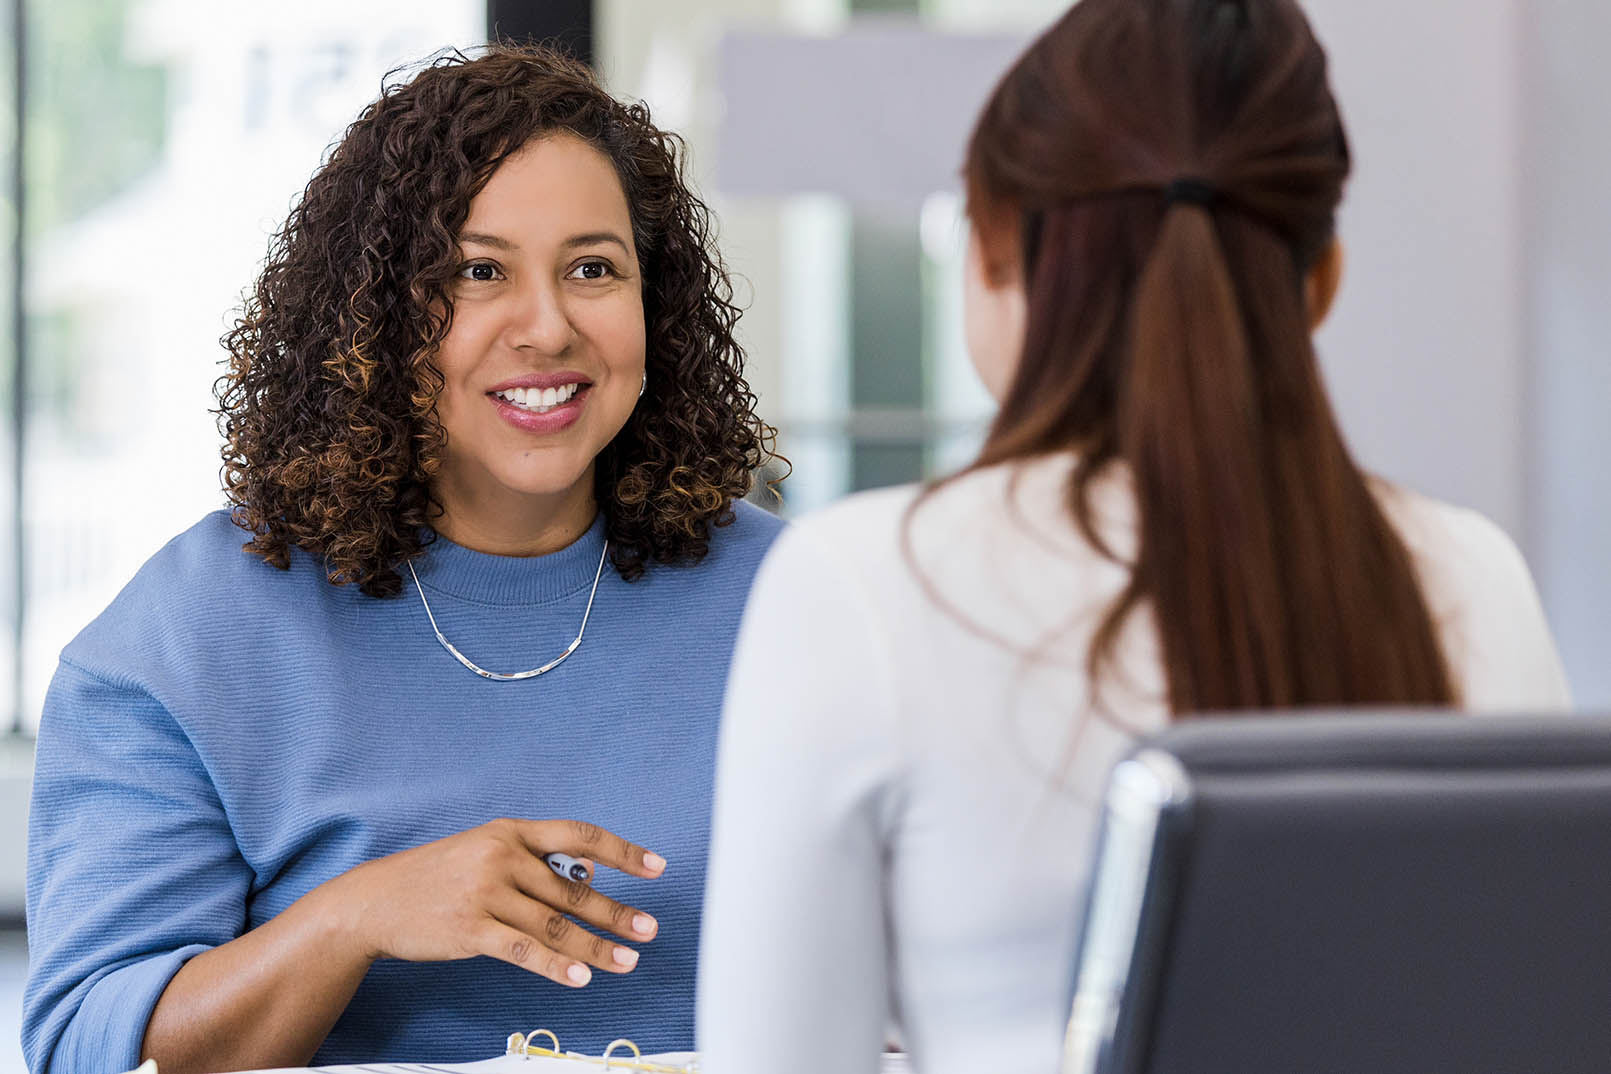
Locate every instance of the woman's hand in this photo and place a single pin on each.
(488, 891)
(270, 997)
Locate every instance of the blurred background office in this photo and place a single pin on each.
(151, 147)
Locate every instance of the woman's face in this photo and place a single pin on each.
(993, 320)
(545, 355)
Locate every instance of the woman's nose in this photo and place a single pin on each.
(539, 322)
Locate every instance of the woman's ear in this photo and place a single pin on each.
(1325, 279)
(994, 316)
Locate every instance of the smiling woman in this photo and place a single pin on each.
(501, 207)
(490, 354)
(550, 271)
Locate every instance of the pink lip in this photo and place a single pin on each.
(561, 417)
(542, 380)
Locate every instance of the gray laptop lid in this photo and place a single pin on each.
(1352, 894)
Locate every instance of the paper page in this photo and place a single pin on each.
(503, 1064)
(892, 1063)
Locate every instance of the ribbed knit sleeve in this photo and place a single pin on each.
(132, 869)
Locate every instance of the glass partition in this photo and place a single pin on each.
(166, 142)
(815, 131)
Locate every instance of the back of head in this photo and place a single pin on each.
(1162, 176)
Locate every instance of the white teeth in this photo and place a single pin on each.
(539, 400)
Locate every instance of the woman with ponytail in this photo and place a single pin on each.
(931, 684)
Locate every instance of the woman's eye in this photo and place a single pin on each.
(480, 271)
(592, 270)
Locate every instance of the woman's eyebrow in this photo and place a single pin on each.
(480, 238)
(592, 238)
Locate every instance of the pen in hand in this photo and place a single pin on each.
(569, 868)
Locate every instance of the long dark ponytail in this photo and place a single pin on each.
(1164, 174)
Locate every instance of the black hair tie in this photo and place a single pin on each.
(1191, 191)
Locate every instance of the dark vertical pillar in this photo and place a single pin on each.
(566, 24)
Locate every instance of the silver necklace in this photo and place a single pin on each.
(498, 676)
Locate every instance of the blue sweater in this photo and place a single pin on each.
(227, 736)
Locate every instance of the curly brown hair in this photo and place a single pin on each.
(328, 409)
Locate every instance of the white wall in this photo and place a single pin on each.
(1467, 353)
(1566, 171)
(1423, 351)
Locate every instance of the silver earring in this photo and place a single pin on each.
(643, 386)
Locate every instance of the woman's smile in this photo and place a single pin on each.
(541, 403)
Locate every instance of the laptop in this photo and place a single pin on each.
(1351, 894)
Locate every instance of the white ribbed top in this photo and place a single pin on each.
(906, 795)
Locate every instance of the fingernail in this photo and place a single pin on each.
(625, 956)
(643, 925)
(579, 974)
(653, 862)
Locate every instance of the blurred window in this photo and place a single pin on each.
(876, 387)
(835, 134)
(10, 330)
(165, 141)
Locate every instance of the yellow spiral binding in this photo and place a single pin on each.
(522, 1044)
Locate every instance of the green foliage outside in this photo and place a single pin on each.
(8, 221)
(95, 120)
(95, 124)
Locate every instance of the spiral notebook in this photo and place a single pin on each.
(540, 1052)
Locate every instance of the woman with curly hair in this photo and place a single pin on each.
(487, 439)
